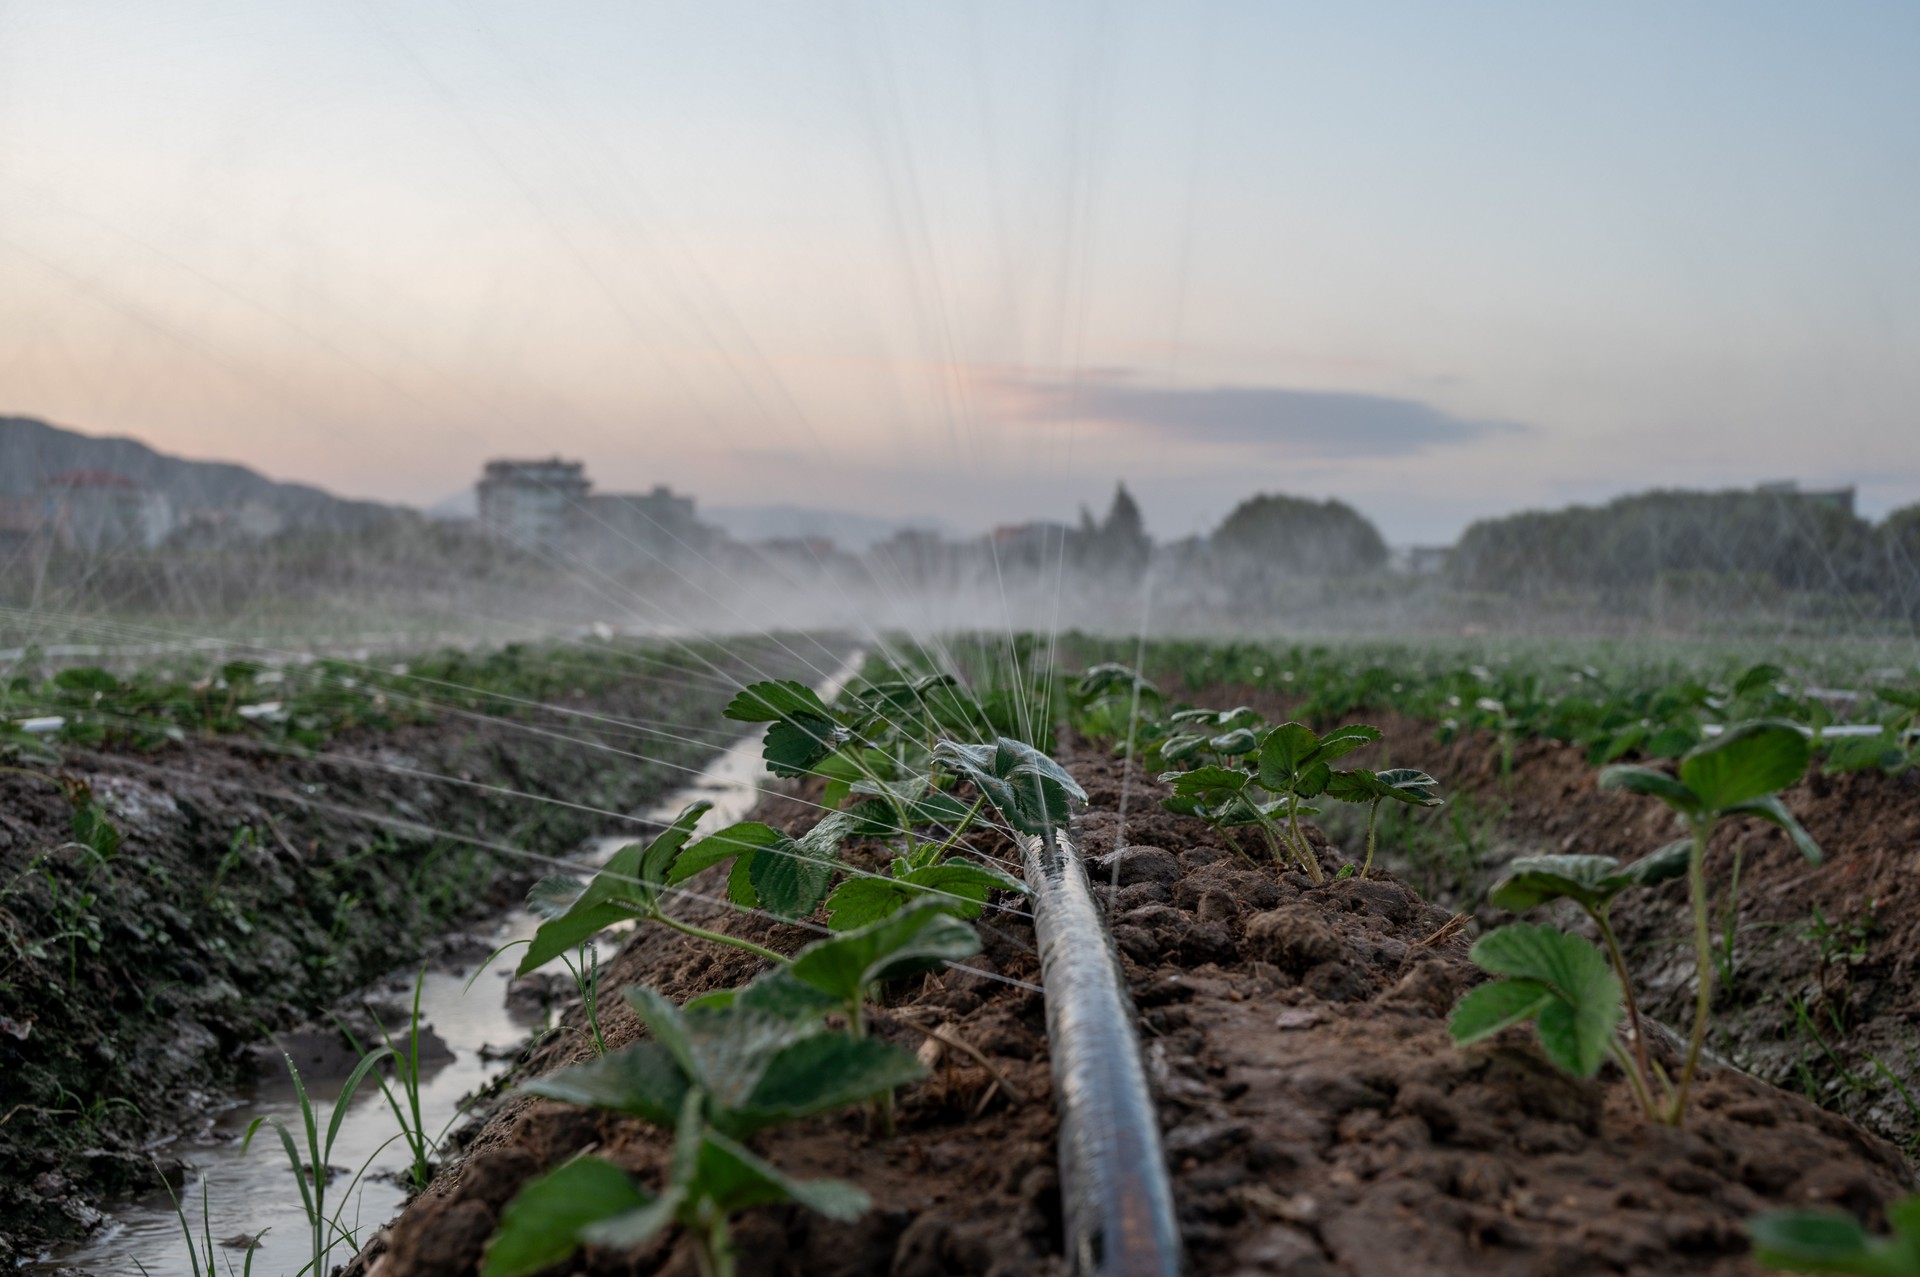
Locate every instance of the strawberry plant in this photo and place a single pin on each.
(712, 1075)
(1395, 784)
(1552, 981)
(1295, 762)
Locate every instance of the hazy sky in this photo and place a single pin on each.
(977, 261)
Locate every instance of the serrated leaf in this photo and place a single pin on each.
(918, 938)
(1283, 752)
(1577, 1026)
(1496, 1005)
(723, 845)
(859, 902)
(643, 1079)
(795, 746)
(735, 1179)
(790, 882)
(829, 1071)
(773, 700)
(627, 886)
(542, 1224)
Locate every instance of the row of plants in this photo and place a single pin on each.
(912, 766)
(306, 703)
(1232, 770)
(1615, 707)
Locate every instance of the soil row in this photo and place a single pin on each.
(1316, 1116)
(1824, 997)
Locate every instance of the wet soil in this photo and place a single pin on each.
(1317, 1118)
(1825, 998)
(252, 888)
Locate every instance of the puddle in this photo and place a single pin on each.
(255, 1193)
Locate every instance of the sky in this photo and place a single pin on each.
(977, 262)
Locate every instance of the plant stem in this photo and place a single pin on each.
(1619, 961)
(1703, 959)
(701, 933)
(716, 1248)
(1730, 921)
(1308, 860)
(1634, 1080)
(1373, 811)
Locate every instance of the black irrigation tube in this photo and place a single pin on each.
(1114, 1186)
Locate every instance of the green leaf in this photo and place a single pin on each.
(1238, 741)
(642, 1079)
(1655, 784)
(790, 882)
(795, 746)
(1212, 782)
(541, 1225)
(773, 700)
(1746, 762)
(1283, 752)
(1342, 741)
(1405, 785)
(735, 1179)
(627, 886)
(1864, 753)
(858, 902)
(1664, 865)
(1758, 678)
(1032, 793)
(1577, 1027)
(1493, 1006)
(918, 938)
(723, 845)
(637, 1227)
(828, 1071)
(1531, 881)
(1773, 811)
(1827, 1241)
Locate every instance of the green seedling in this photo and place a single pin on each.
(1827, 1241)
(1560, 982)
(713, 1072)
(1295, 762)
(802, 731)
(1593, 883)
(712, 1178)
(1739, 773)
(1396, 784)
(1032, 793)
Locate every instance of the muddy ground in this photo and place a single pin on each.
(1316, 1116)
(1825, 998)
(250, 889)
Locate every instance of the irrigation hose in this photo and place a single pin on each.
(1114, 1187)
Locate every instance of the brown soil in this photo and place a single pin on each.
(1317, 1118)
(1860, 992)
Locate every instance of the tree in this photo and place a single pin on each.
(1273, 534)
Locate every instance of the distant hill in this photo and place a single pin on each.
(849, 531)
(33, 452)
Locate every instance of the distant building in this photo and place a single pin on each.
(534, 504)
(1838, 498)
(549, 506)
(658, 525)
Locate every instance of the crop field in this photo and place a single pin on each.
(1516, 958)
